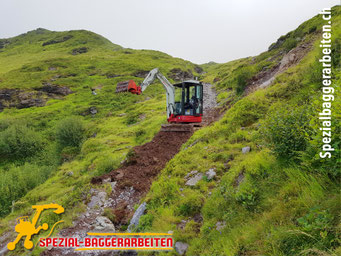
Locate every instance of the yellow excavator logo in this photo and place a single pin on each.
(25, 227)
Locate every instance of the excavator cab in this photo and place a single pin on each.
(188, 102)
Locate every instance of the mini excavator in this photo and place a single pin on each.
(184, 100)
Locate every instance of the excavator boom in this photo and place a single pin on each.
(183, 115)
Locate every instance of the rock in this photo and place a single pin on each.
(190, 174)
(246, 150)
(70, 174)
(194, 180)
(210, 174)
(141, 73)
(55, 89)
(93, 110)
(113, 185)
(107, 180)
(181, 247)
(179, 75)
(104, 224)
(80, 50)
(97, 200)
(58, 40)
(198, 69)
(182, 224)
(122, 114)
(110, 75)
(220, 225)
(240, 178)
(194, 143)
(30, 103)
(136, 217)
(52, 68)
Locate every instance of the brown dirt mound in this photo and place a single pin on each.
(146, 161)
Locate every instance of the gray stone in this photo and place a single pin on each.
(246, 150)
(181, 247)
(210, 174)
(97, 200)
(220, 225)
(190, 174)
(103, 223)
(93, 110)
(194, 180)
(136, 217)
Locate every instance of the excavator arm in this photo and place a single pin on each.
(170, 90)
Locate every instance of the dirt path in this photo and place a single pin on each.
(131, 182)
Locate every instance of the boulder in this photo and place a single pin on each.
(80, 50)
(136, 217)
(181, 247)
(104, 224)
(246, 150)
(97, 200)
(194, 180)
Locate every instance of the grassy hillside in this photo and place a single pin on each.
(278, 199)
(49, 152)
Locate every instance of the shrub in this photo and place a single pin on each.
(244, 74)
(19, 141)
(285, 132)
(70, 132)
(17, 181)
(289, 44)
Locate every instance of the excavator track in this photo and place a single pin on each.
(179, 127)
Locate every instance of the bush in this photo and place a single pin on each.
(289, 44)
(70, 132)
(17, 181)
(285, 132)
(244, 74)
(19, 141)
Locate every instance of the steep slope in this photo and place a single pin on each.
(61, 122)
(252, 183)
(264, 189)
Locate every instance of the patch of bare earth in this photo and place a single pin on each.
(265, 78)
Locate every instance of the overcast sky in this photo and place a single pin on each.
(196, 30)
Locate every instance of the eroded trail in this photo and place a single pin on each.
(131, 182)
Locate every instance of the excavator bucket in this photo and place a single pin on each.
(128, 86)
(122, 86)
(178, 128)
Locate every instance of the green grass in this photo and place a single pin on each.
(279, 199)
(271, 204)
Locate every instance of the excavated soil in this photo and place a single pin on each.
(145, 162)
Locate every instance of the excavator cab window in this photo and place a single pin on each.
(191, 101)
